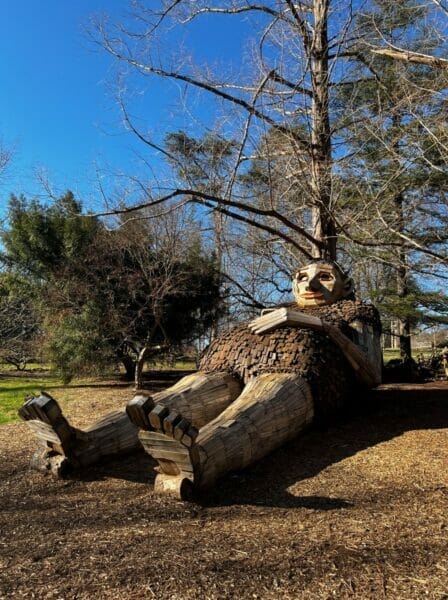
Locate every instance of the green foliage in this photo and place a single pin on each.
(97, 290)
(202, 162)
(42, 240)
(418, 307)
(77, 343)
(400, 171)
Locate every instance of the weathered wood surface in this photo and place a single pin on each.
(64, 447)
(311, 354)
(287, 377)
(288, 317)
(272, 409)
(287, 374)
(199, 398)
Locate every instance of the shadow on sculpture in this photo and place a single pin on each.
(258, 386)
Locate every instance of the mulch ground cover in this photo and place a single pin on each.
(358, 509)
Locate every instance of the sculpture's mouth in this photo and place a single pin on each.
(311, 295)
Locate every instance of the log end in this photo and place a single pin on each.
(176, 486)
(47, 462)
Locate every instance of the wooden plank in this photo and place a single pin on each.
(44, 431)
(157, 415)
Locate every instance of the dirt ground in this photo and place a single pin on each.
(355, 510)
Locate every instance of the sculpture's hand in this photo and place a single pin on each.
(284, 316)
(269, 321)
(365, 370)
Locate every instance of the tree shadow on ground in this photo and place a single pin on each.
(380, 418)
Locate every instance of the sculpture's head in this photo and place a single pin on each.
(321, 283)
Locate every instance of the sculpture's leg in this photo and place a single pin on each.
(64, 447)
(112, 434)
(169, 421)
(273, 408)
(198, 397)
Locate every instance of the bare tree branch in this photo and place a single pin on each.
(411, 57)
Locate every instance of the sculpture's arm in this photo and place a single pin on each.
(364, 369)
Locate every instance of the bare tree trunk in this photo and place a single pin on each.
(322, 222)
(129, 366)
(218, 227)
(404, 326)
(138, 377)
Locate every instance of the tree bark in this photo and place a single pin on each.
(402, 287)
(322, 222)
(129, 366)
(412, 57)
(404, 326)
(138, 374)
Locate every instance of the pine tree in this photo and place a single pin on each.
(399, 175)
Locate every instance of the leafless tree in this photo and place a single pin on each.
(18, 332)
(296, 180)
(284, 89)
(156, 247)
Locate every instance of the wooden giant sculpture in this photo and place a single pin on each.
(260, 384)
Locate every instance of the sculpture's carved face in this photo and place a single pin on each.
(320, 284)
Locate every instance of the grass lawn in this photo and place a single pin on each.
(15, 386)
(13, 391)
(391, 353)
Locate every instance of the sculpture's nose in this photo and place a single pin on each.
(314, 284)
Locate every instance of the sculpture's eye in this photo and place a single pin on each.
(325, 277)
(302, 277)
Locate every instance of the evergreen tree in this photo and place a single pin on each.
(101, 293)
(396, 210)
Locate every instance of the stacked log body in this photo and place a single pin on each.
(63, 447)
(311, 354)
(288, 376)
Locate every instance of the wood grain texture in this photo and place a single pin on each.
(64, 448)
(272, 409)
(311, 354)
(199, 398)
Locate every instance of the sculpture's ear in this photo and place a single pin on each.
(349, 287)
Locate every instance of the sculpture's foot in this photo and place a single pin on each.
(139, 408)
(45, 419)
(65, 448)
(172, 443)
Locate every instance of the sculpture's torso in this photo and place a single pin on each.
(292, 349)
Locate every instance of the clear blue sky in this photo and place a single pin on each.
(56, 106)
